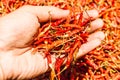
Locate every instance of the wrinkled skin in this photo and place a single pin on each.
(18, 29)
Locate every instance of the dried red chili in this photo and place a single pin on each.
(106, 56)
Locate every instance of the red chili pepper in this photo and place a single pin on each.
(58, 64)
(76, 44)
(61, 5)
(92, 64)
(80, 19)
(108, 47)
(39, 41)
(48, 56)
(56, 23)
(84, 36)
(85, 22)
(73, 73)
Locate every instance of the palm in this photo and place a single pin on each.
(16, 37)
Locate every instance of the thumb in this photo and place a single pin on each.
(44, 13)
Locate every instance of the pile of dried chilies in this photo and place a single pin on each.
(64, 37)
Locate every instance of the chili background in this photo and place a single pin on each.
(102, 63)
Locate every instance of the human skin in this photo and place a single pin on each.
(17, 30)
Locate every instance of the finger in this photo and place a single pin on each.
(97, 35)
(90, 13)
(85, 48)
(96, 24)
(44, 13)
(93, 42)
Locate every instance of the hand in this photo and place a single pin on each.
(17, 30)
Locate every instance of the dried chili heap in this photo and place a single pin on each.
(64, 37)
